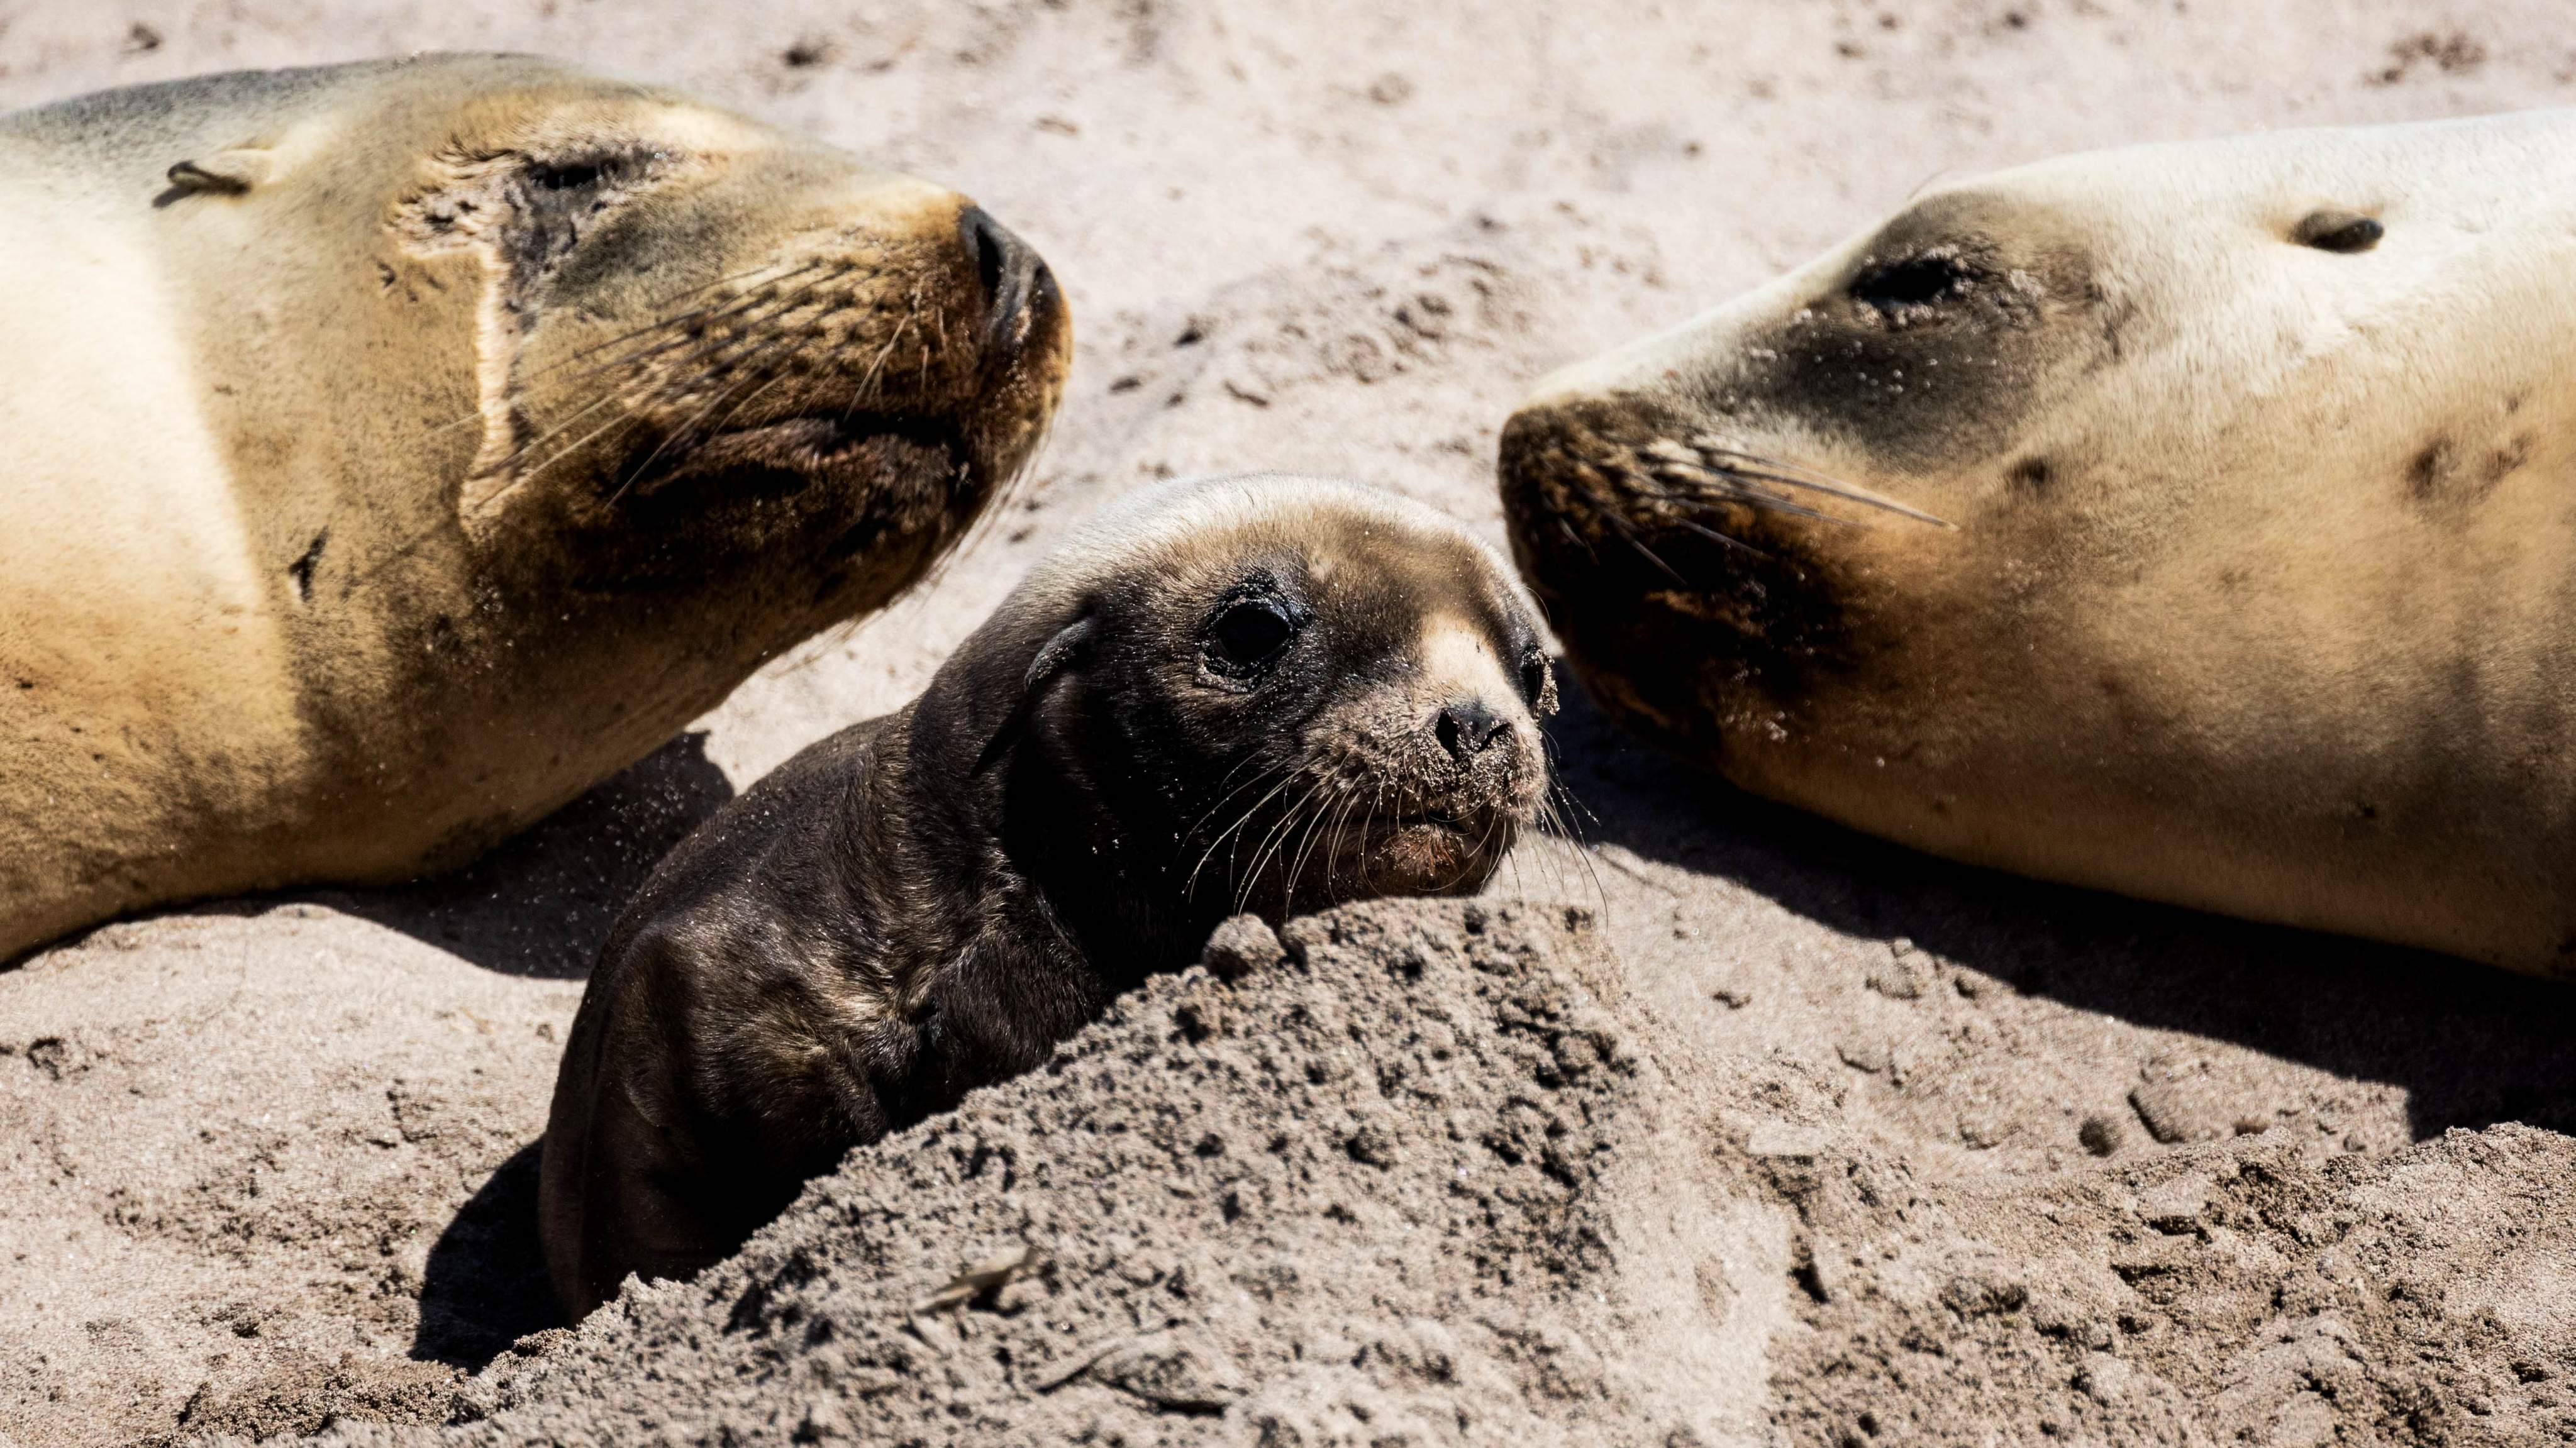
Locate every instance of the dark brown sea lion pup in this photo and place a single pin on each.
(398, 449)
(1257, 692)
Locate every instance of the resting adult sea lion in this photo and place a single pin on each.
(2261, 591)
(1244, 693)
(398, 449)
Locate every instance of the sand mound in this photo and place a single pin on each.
(1437, 1177)
(1384, 1186)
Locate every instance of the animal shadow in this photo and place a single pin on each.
(540, 904)
(485, 1285)
(2470, 1045)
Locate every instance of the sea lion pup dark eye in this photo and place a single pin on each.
(1260, 692)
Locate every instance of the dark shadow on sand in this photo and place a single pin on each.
(2470, 1045)
(485, 1285)
(541, 904)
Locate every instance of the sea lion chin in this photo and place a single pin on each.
(1256, 693)
(2252, 595)
(398, 449)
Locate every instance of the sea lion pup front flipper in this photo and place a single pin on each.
(2255, 457)
(399, 449)
(1262, 692)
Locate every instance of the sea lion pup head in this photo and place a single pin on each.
(2221, 430)
(1262, 692)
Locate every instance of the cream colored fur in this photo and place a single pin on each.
(2291, 632)
(274, 603)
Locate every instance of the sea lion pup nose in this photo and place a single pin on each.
(1260, 692)
(399, 449)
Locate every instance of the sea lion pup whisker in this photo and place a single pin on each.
(927, 902)
(1286, 776)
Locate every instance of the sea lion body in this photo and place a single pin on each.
(400, 448)
(2258, 592)
(927, 902)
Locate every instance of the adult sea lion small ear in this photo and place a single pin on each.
(230, 172)
(1053, 658)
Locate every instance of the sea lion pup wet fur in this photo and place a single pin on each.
(398, 449)
(1258, 692)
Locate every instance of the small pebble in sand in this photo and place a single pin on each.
(1904, 975)
(1863, 1054)
(1983, 1130)
(1240, 945)
(2176, 1207)
(2100, 1134)
(1974, 986)
(2184, 1107)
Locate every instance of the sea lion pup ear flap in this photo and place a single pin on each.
(1053, 658)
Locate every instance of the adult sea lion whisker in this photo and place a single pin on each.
(751, 388)
(545, 373)
(1607, 513)
(686, 434)
(751, 323)
(749, 300)
(645, 390)
(1704, 452)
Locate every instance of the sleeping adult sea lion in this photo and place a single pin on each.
(398, 449)
(2260, 594)
(1245, 693)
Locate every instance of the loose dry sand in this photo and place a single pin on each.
(1783, 1136)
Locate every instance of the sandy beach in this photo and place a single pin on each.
(1848, 1145)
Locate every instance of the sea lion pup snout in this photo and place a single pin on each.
(1259, 692)
(1323, 694)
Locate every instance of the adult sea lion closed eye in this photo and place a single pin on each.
(1258, 692)
(2261, 590)
(398, 449)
